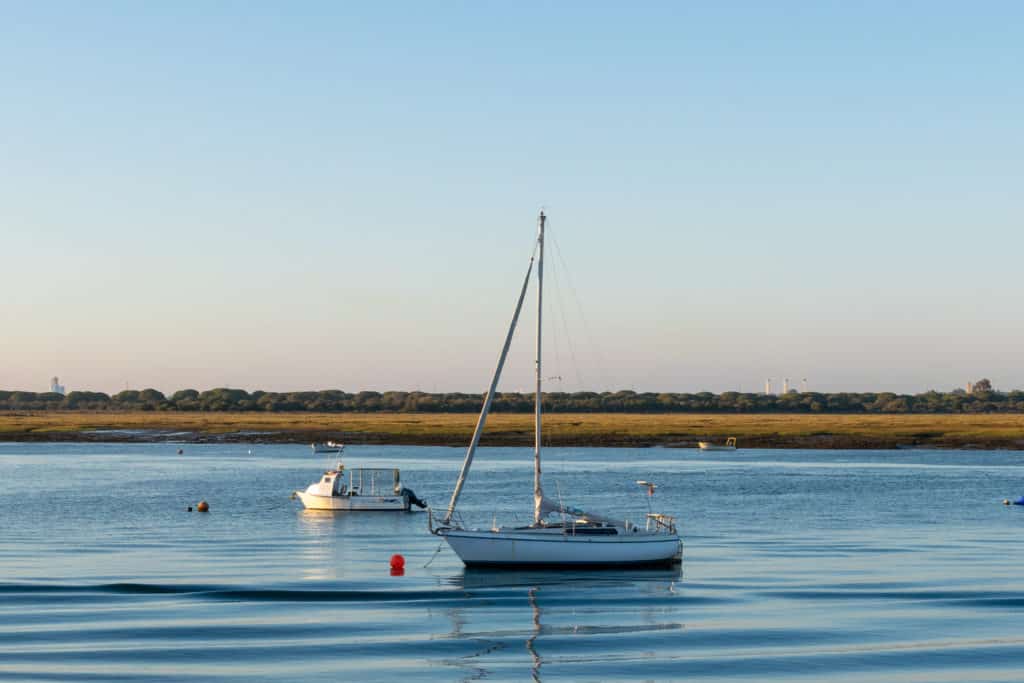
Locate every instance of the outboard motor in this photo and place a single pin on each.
(410, 497)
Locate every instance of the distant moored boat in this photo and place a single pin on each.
(729, 445)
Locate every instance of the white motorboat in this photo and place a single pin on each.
(729, 445)
(359, 489)
(574, 538)
(328, 447)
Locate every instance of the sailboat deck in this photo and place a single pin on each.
(590, 531)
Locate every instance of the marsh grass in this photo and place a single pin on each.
(990, 430)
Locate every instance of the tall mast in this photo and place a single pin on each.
(482, 420)
(538, 492)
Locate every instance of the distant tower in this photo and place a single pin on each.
(768, 387)
(803, 386)
(56, 387)
(785, 386)
(970, 388)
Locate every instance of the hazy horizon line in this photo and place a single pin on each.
(793, 389)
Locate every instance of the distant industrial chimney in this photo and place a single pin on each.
(56, 387)
(768, 387)
(785, 386)
(803, 386)
(970, 387)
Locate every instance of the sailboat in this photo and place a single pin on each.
(560, 536)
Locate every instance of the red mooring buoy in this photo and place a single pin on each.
(397, 565)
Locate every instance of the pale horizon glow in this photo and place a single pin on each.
(344, 197)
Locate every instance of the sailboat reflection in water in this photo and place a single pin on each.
(576, 538)
(554, 615)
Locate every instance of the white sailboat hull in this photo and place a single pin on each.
(353, 503)
(532, 548)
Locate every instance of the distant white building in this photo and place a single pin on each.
(56, 387)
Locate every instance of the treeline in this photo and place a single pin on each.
(333, 401)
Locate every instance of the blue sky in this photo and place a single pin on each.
(313, 195)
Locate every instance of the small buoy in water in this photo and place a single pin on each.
(203, 506)
(190, 508)
(397, 565)
(181, 451)
(1006, 501)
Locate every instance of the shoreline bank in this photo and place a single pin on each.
(985, 431)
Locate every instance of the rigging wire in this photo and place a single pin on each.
(545, 437)
(594, 348)
(554, 328)
(558, 303)
(565, 325)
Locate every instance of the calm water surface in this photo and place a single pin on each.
(798, 564)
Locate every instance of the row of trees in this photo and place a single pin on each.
(333, 401)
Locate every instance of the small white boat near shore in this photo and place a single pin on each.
(328, 447)
(729, 445)
(360, 489)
